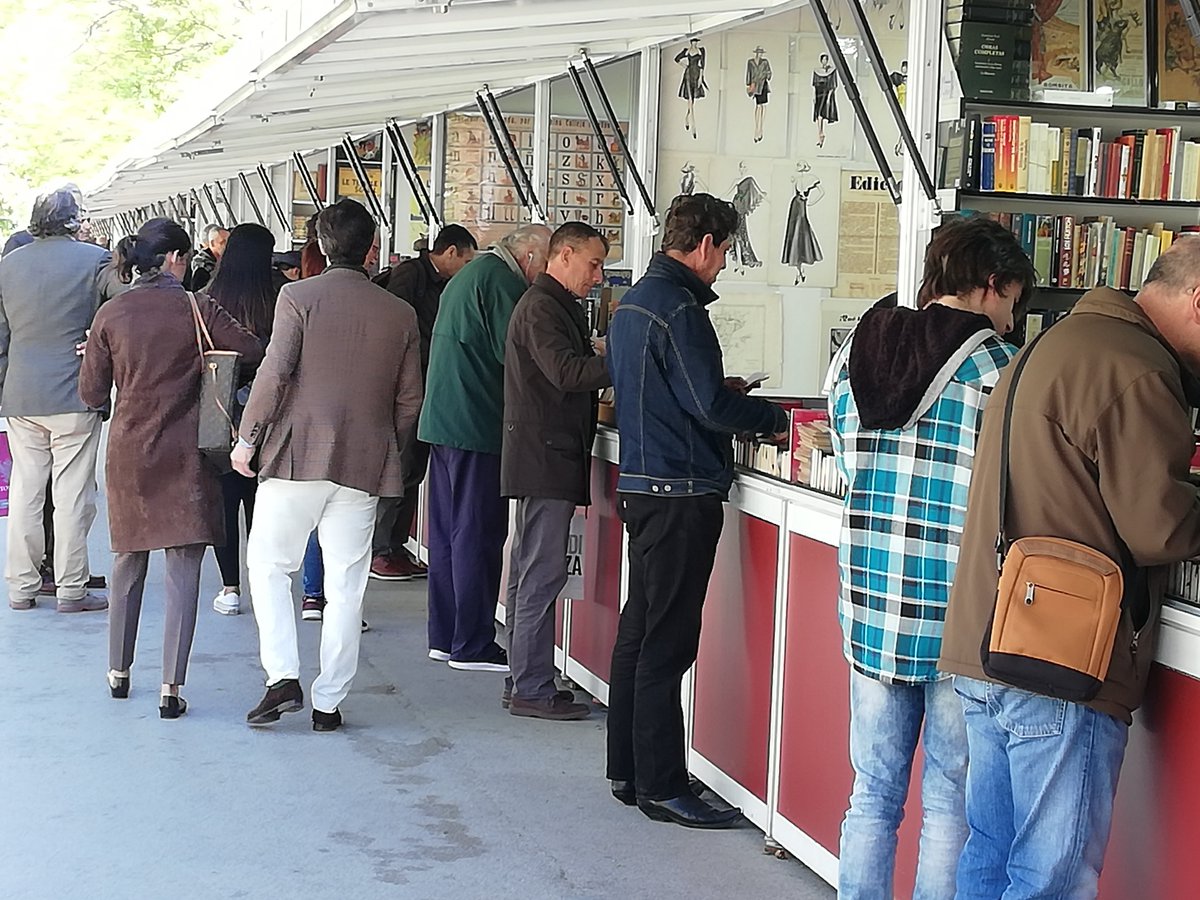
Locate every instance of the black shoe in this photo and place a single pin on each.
(689, 811)
(624, 790)
(556, 708)
(494, 659)
(284, 696)
(327, 721)
(118, 684)
(506, 695)
(172, 707)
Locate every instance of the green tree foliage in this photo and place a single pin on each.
(80, 78)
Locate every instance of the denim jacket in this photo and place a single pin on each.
(674, 412)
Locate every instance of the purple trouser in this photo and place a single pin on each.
(468, 524)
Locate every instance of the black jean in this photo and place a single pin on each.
(394, 518)
(672, 545)
(237, 491)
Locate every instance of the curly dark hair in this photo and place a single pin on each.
(692, 216)
(56, 213)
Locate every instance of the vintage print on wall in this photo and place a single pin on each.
(749, 326)
(1059, 42)
(1178, 56)
(681, 173)
(690, 95)
(582, 186)
(804, 209)
(888, 18)
(868, 237)
(744, 183)
(1119, 50)
(824, 120)
(755, 94)
(479, 194)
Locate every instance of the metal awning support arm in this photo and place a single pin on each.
(250, 196)
(360, 173)
(825, 26)
(233, 219)
(598, 131)
(274, 197)
(518, 185)
(535, 206)
(630, 164)
(409, 166)
(307, 179)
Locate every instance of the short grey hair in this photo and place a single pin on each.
(1179, 267)
(211, 231)
(526, 237)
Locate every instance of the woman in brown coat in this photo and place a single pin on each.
(162, 494)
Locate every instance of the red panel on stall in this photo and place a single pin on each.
(424, 516)
(559, 610)
(732, 719)
(594, 619)
(1156, 828)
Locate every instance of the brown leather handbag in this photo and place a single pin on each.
(218, 390)
(1058, 603)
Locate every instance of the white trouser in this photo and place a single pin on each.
(64, 446)
(285, 514)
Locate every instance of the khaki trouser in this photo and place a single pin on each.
(62, 449)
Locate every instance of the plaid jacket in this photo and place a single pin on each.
(904, 514)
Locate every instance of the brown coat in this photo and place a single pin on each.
(1100, 448)
(340, 387)
(161, 491)
(551, 377)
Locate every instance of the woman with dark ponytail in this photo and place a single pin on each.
(243, 284)
(116, 277)
(162, 493)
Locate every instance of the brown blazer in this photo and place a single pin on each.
(161, 491)
(1101, 442)
(340, 386)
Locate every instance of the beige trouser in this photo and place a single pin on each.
(62, 448)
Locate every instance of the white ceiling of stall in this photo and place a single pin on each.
(369, 60)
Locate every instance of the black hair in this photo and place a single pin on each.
(454, 236)
(55, 213)
(242, 282)
(121, 256)
(692, 216)
(966, 252)
(346, 232)
(148, 248)
(575, 234)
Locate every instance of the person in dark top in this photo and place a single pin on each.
(419, 282)
(204, 263)
(15, 240)
(244, 285)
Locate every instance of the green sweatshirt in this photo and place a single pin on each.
(464, 391)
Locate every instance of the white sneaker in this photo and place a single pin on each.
(228, 604)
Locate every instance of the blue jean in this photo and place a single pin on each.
(1040, 792)
(314, 569)
(886, 721)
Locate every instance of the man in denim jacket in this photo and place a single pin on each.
(676, 412)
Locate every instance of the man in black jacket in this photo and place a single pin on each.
(551, 376)
(418, 281)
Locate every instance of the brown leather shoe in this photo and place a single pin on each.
(556, 708)
(86, 603)
(386, 567)
(22, 605)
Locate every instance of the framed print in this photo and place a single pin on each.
(1060, 44)
(1118, 51)
(1178, 74)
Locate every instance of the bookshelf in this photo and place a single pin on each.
(1071, 110)
(1012, 197)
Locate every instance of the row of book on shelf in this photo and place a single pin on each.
(807, 459)
(1014, 154)
(1075, 252)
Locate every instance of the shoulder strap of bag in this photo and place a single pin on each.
(201, 328)
(1002, 542)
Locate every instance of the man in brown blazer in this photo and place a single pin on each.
(340, 386)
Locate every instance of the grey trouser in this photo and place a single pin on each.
(125, 608)
(537, 572)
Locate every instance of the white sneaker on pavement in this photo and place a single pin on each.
(228, 604)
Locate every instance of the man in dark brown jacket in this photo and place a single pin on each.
(337, 392)
(551, 376)
(1101, 442)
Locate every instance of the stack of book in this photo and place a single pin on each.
(1014, 154)
(1081, 253)
(991, 42)
(812, 459)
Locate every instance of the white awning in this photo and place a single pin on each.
(367, 61)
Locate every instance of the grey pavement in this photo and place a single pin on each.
(431, 790)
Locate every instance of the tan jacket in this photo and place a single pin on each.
(1101, 443)
(340, 386)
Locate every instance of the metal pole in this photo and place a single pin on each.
(274, 198)
(307, 179)
(880, 68)
(825, 26)
(250, 196)
(599, 132)
(360, 173)
(233, 217)
(400, 145)
(616, 127)
(512, 175)
(409, 175)
(502, 126)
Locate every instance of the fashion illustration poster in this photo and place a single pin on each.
(800, 246)
(824, 120)
(680, 173)
(803, 246)
(755, 95)
(690, 97)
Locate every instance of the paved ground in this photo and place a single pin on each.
(430, 791)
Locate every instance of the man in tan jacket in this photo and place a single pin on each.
(340, 387)
(1100, 448)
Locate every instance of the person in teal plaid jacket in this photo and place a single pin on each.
(906, 399)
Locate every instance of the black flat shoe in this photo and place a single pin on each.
(689, 811)
(118, 685)
(327, 721)
(284, 696)
(172, 707)
(624, 790)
